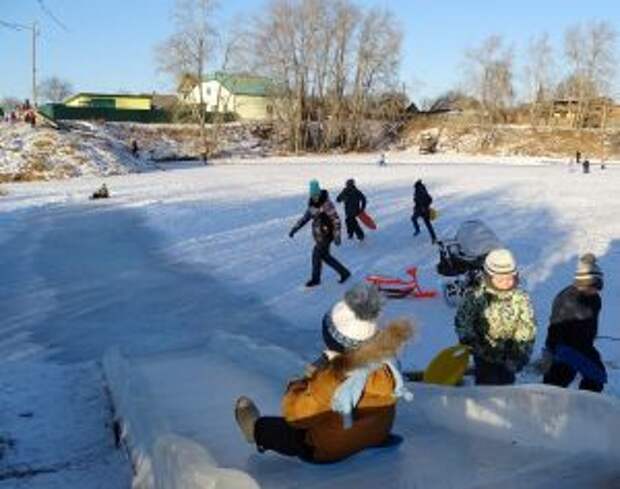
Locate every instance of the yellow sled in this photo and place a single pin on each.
(448, 367)
(433, 214)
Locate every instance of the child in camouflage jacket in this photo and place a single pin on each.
(496, 320)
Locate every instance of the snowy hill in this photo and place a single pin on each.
(190, 277)
(43, 154)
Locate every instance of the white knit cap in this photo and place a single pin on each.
(353, 320)
(500, 262)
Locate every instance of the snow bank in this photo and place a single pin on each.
(161, 460)
(530, 415)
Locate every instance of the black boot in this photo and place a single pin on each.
(344, 277)
(313, 283)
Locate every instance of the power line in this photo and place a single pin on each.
(13, 25)
(51, 15)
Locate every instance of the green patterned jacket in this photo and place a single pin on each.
(500, 327)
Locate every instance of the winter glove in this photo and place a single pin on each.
(291, 233)
(337, 240)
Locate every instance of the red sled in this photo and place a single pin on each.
(396, 288)
(367, 221)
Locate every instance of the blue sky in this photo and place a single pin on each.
(109, 43)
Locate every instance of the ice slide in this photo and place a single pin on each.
(176, 413)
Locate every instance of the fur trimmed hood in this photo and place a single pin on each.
(383, 346)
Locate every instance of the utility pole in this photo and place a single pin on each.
(34, 64)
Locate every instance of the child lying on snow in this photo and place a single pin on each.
(348, 402)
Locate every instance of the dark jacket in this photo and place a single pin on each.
(574, 320)
(325, 221)
(421, 198)
(354, 200)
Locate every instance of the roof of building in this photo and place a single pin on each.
(243, 84)
(108, 95)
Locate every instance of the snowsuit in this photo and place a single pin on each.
(312, 429)
(422, 208)
(325, 229)
(500, 328)
(573, 327)
(354, 203)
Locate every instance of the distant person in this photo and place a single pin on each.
(422, 208)
(382, 161)
(573, 327)
(134, 148)
(586, 166)
(101, 193)
(325, 230)
(496, 320)
(354, 203)
(578, 157)
(348, 403)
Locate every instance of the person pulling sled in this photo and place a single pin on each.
(325, 230)
(348, 402)
(354, 204)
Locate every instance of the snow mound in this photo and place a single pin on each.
(43, 154)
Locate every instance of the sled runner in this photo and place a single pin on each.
(397, 288)
(367, 221)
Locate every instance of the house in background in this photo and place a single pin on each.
(110, 101)
(247, 96)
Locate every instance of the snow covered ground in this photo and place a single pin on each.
(177, 259)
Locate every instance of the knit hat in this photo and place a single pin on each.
(353, 320)
(315, 188)
(588, 273)
(500, 262)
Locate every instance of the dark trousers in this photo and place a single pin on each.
(321, 254)
(273, 433)
(425, 214)
(353, 228)
(562, 374)
(492, 373)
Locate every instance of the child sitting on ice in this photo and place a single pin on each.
(348, 402)
(101, 193)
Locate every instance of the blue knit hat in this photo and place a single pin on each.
(315, 188)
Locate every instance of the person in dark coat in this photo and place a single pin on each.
(586, 166)
(101, 193)
(354, 203)
(422, 208)
(569, 348)
(325, 230)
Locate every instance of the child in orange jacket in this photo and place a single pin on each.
(348, 403)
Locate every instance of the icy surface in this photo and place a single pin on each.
(174, 258)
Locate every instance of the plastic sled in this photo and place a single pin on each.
(367, 221)
(448, 367)
(433, 214)
(397, 288)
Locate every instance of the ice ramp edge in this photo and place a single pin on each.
(559, 419)
(161, 460)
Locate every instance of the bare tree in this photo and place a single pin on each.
(540, 75)
(55, 89)
(188, 49)
(489, 69)
(590, 54)
(328, 60)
